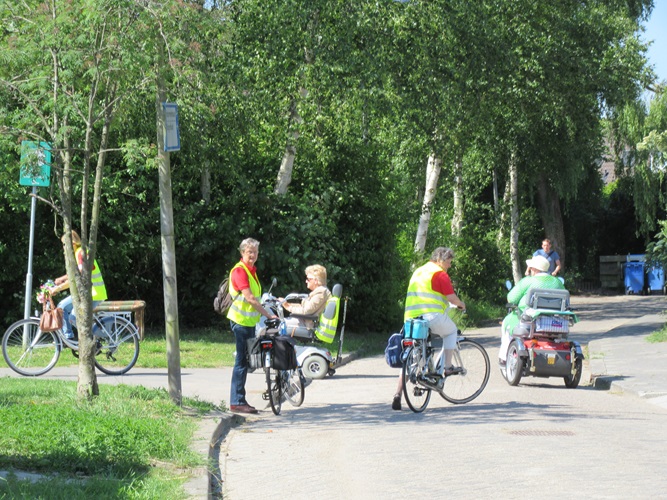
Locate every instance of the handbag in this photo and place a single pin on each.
(52, 317)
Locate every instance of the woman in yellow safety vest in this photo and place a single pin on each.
(99, 291)
(243, 315)
(429, 296)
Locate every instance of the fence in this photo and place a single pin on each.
(611, 271)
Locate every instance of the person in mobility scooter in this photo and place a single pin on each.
(534, 333)
(311, 305)
(313, 317)
(316, 362)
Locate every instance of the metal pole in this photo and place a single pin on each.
(28, 277)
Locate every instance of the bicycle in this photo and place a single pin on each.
(471, 368)
(32, 352)
(280, 384)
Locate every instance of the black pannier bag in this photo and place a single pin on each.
(254, 353)
(284, 355)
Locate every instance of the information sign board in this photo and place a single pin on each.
(172, 134)
(35, 164)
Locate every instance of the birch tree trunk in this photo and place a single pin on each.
(457, 218)
(286, 167)
(502, 217)
(433, 167)
(514, 219)
(287, 164)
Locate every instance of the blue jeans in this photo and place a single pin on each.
(240, 372)
(69, 316)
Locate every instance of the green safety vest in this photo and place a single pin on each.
(97, 282)
(241, 311)
(326, 327)
(421, 298)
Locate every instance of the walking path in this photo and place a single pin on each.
(614, 328)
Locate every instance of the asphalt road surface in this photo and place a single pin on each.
(537, 440)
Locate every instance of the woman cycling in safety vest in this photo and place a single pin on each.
(99, 291)
(429, 296)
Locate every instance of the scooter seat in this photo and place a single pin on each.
(300, 332)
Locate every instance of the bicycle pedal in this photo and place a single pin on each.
(265, 396)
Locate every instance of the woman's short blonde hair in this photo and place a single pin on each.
(319, 273)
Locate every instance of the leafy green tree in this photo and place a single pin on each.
(565, 62)
(67, 67)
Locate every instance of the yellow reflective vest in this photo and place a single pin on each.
(326, 327)
(421, 298)
(97, 282)
(241, 311)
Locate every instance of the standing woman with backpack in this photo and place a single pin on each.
(244, 314)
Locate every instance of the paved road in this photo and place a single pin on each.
(538, 439)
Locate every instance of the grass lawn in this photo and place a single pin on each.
(658, 336)
(130, 442)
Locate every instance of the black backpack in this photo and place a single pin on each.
(224, 299)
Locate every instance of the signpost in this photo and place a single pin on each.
(172, 134)
(35, 164)
(35, 171)
(168, 139)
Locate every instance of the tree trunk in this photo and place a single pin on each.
(286, 166)
(205, 184)
(87, 386)
(496, 200)
(457, 218)
(552, 218)
(514, 219)
(502, 217)
(432, 175)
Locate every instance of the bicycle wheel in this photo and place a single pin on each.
(28, 350)
(295, 391)
(417, 396)
(465, 386)
(274, 384)
(117, 344)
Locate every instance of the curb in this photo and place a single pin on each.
(346, 359)
(602, 383)
(214, 472)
